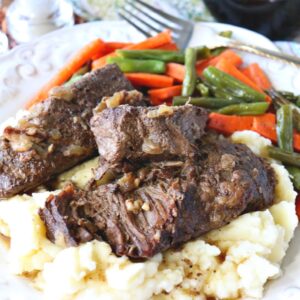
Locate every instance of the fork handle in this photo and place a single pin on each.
(262, 51)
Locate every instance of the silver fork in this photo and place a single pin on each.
(150, 20)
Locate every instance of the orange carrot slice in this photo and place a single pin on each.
(203, 64)
(169, 46)
(230, 56)
(298, 206)
(150, 43)
(158, 96)
(228, 124)
(150, 80)
(265, 125)
(176, 71)
(230, 69)
(81, 58)
(258, 76)
(112, 46)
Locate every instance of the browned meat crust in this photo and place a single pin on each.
(56, 134)
(166, 202)
(139, 133)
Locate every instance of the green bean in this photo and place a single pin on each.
(284, 127)
(295, 173)
(229, 85)
(292, 159)
(162, 55)
(203, 89)
(278, 101)
(82, 70)
(226, 33)
(218, 93)
(245, 109)
(289, 96)
(137, 65)
(207, 102)
(203, 52)
(73, 79)
(190, 78)
(217, 51)
(77, 75)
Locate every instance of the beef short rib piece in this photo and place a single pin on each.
(55, 135)
(143, 133)
(165, 203)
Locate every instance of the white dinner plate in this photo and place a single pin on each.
(24, 70)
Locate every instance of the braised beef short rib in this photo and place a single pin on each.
(140, 133)
(196, 184)
(128, 136)
(55, 135)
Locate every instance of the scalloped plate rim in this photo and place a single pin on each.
(274, 285)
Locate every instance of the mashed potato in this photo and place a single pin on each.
(233, 262)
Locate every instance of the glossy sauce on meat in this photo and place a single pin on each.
(164, 198)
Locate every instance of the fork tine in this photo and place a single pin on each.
(161, 13)
(142, 21)
(146, 33)
(163, 25)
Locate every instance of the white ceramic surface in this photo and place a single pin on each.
(26, 68)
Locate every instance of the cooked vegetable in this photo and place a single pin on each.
(279, 101)
(72, 66)
(150, 43)
(230, 56)
(265, 125)
(286, 157)
(73, 79)
(226, 33)
(158, 96)
(202, 52)
(231, 86)
(190, 78)
(295, 172)
(258, 76)
(207, 102)
(138, 65)
(113, 46)
(225, 66)
(284, 127)
(203, 89)
(163, 55)
(222, 94)
(150, 80)
(170, 46)
(77, 75)
(176, 71)
(289, 96)
(229, 124)
(245, 109)
(201, 65)
(298, 206)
